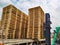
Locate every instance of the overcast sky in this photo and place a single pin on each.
(49, 6)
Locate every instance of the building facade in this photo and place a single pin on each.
(0, 25)
(35, 23)
(14, 23)
(0, 30)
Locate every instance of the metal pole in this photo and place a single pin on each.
(48, 38)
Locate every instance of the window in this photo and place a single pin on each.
(14, 11)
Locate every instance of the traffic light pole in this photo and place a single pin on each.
(48, 39)
(47, 29)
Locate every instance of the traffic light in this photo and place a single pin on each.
(47, 29)
(48, 22)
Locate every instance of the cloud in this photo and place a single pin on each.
(14, 1)
(2, 4)
(0, 12)
(5, 2)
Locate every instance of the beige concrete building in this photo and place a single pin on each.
(0, 29)
(35, 23)
(14, 23)
(0, 24)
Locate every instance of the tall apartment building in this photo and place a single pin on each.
(0, 29)
(14, 23)
(0, 24)
(35, 23)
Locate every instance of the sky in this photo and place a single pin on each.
(48, 6)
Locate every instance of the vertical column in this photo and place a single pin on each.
(21, 25)
(42, 24)
(8, 23)
(39, 24)
(28, 26)
(14, 20)
(25, 26)
(15, 26)
(3, 21)
(33, 14)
